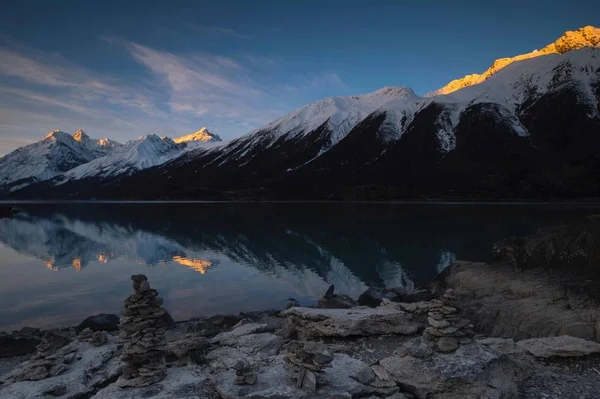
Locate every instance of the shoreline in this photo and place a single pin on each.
(527, 325)
(387, 332)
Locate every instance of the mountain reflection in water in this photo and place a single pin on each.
(236, 256)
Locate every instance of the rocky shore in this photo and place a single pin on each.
(502, 330)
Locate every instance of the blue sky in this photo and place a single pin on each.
(123, 69)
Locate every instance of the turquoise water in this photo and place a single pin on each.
(61, 262)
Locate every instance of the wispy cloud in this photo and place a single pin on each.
(170, 93)
(216, 30)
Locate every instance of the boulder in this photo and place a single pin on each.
(99, 338)
(337, 302)
(503, 301)
(333, 301)
(11, 346)
(563, 247)
(230, 337)
(373, 297)
(311, 322)
(418, 295)
(99, 322)
(472, 371)
(563, 346)
(188, 347)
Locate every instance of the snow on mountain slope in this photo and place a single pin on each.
(202, 135)
(340, 113)
(588, 36)
(56, 153)
(135, 155)
(527, 80)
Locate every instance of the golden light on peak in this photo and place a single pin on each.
(103, 258)
(50, 264)
(76, 263)
(199, 265)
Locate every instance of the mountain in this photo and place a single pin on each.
(588, 36)
(56, 153)
(201, 136)
(527, 128)
(135, 155)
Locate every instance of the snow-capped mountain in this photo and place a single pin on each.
(135, 155)
(56, 153)
(588, 36)
(526, 127)
(201, 136)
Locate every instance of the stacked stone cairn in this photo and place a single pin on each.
(143, 330)
(378, 378)
(305, 363)
(244, 374)
(446, 327)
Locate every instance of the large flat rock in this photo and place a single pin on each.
(472, 371)
(563, 346)
(357, 321)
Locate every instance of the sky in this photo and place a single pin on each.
(123, 69)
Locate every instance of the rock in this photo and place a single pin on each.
(291, 302)
(365, 375)
(99, 338)
(56, 390)
(335, 382)
(229, 337)
(373, 297)
(33, 374)
(568, 246)
(168, 320)
(336, 302)
(472, 371)
(438, 323)
(358, 321)
(100, 322)
(190, 347)
(330, 291)
(51, 342)
(447, 344)
(562, 346)
(580, 330)
(11, 346)
(505, 346)
(501, 301)
(418, 295)
(416, 347)
(28, 331)
(143, 328)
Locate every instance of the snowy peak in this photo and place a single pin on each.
(202, 135)
(57, 135)
(588, 36)
(340, 113)
(81, 136)
(135, 155)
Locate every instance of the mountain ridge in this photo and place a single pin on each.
(496, 137)
(588, 36)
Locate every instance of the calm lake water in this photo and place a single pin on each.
(60, 263)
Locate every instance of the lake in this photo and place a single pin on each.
(61, 262)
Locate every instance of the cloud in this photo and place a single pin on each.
(216, 30)
(164, 92)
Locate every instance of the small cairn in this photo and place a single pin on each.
(244, 374)
(143, 329)
(305, 362)
(446, 328)
(378, 378)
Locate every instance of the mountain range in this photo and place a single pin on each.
(528, 127)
